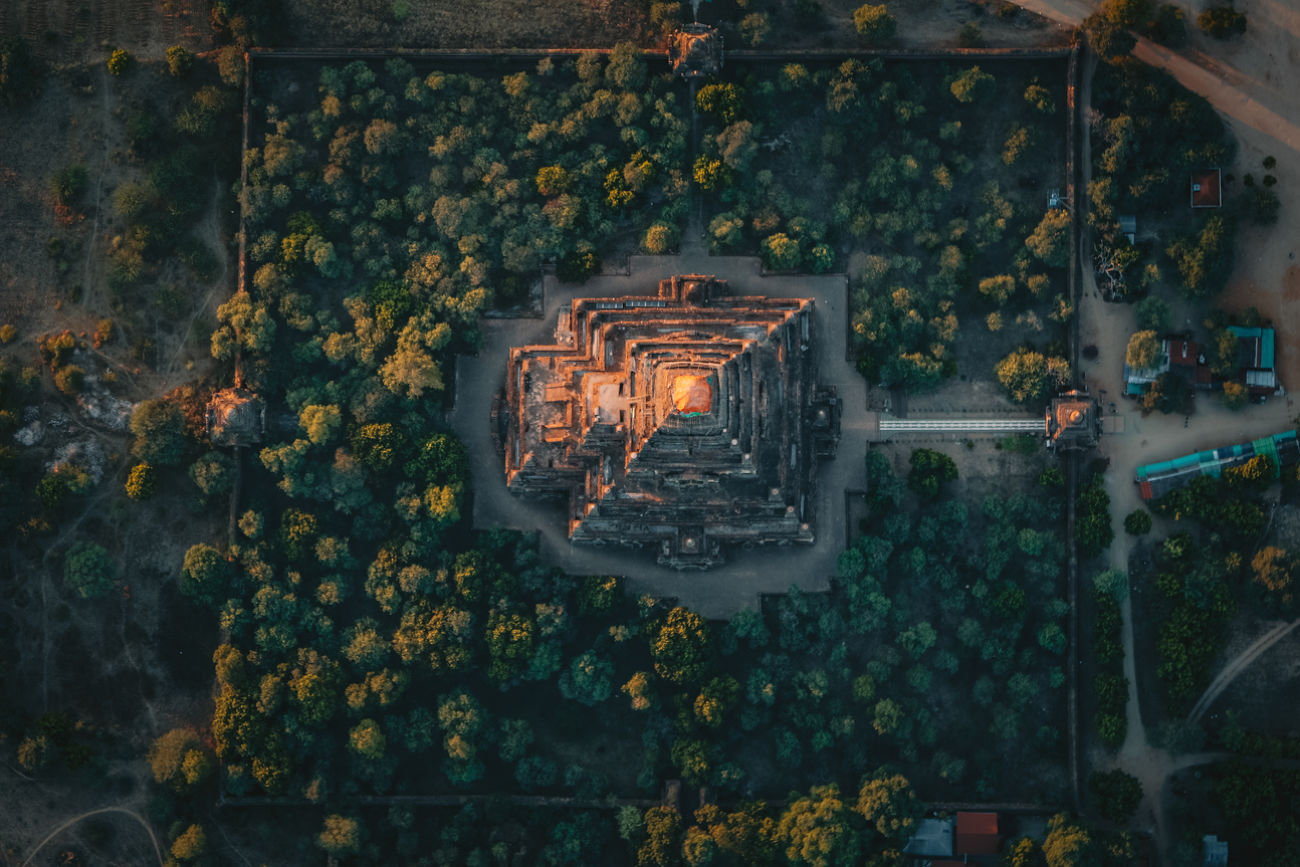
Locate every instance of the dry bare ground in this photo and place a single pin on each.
(82, 31)
(602, 23)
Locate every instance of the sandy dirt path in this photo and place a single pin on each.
(1237, 665)
(1241, 81)
(1251, 81)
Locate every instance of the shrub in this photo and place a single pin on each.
(20, 71)
(1260, 205)
(120, 62)
(970, 35)
(1168, 26)
(577, 266)
(1235, 395)
(1116, 794)
(69, 380)
(69, 183)
(659, 239)
(755, 28)
(874, 23)
(141, 482)
(213, 473)
(971, 85)
(205, 574)
(780, 252)
(8, 333)
(1137, 522)
(1040, 98)
(1222, 22)
(179, 61)
(88, 571)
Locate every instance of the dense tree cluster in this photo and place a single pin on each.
(1111, 686)
(419, 198)
(867, 143)
(1258, 803)
(1194, 606)
(1149, 134)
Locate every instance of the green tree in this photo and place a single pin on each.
(588, 679)
(1152, 314)
(213, 473)
(1169, 393)
(755, 28)
(88, 570)
(626, 68)
(1168, 26)
(20, 71)
(724, 101)
(888, 717)
(1108, 39)
(1138, 522)
(319, 423)
(205, 574)
(1116, 794)
(1222, 22)
(682, 648)
(1092, 529)
(159, 429)
(179, 61)
(930, 469)
(874, 23)
(1127, 13)
(1050, 241)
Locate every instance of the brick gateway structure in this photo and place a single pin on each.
(681, 422)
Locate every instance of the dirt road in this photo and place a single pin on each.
(1245, 82)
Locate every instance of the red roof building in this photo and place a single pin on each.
(977, 834)
(1207, 191)
(1183, 353)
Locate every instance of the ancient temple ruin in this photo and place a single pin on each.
(680, 422)
(1073, 422)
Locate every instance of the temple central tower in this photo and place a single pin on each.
(681, 422)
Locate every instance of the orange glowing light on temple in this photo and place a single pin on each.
(692, 395)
